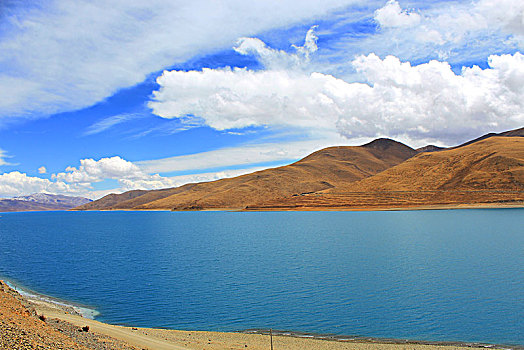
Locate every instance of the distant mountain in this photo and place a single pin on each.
(327, 168)
(381, 174)
(430, 148)
(41, 201)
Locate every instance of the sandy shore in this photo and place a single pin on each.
(41, 323)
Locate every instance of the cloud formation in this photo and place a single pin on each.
(279, 59)
(65, 55)
(391, 15)
(16, 183)
(238, 156)
(3, 156)
(457, 30)
(109, 122)
(91, 170)
(427, 101)
(79, 181)
(175, 181)
(128, 175)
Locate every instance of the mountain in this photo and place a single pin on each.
(41, 201)
(510, 133)
(381, 174)
(486, 171)
(327, 168)
(430, 148)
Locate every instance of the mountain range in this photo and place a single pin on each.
(381, 174)
(41, 201)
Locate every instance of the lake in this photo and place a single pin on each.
(450, 275)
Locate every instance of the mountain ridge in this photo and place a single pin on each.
(496, 161)
(487, 171)
(320, 170)
(41, 201)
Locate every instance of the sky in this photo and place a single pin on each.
(99, 99)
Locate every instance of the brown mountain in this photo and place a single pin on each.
(430, 148)
(487, 171)
(328, 168)
(510, 133)
(381, 174)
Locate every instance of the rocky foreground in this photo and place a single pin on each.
(22, 328)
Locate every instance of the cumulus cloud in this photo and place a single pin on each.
(391, 15)
(128, 174)
(91, 170)
(42, 170)
(16, 183)
(64, 55)
(236, 98)
(430, 100)
(426, 101)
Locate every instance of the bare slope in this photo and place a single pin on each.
(327, 168)
(487, 171)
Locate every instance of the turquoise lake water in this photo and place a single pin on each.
(453, 275)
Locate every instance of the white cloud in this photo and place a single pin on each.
(508, 14)
(128, 174)
(144, 175)
(431, 101)
(428, 101)
(109, 122)
(236, 98)
(42, 170)
(391, 15)
(91, 170)
(65, 55)
(459, 32)
(3, 155)
(175, 181)
(452, 27)
(16, 183)
(279, 59)
(241, 155)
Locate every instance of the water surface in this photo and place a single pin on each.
(454, 275)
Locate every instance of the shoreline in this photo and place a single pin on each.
(156, 338)
(461, 206)
(49, 302)
(406, 208)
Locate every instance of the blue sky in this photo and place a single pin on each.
(99, 100)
